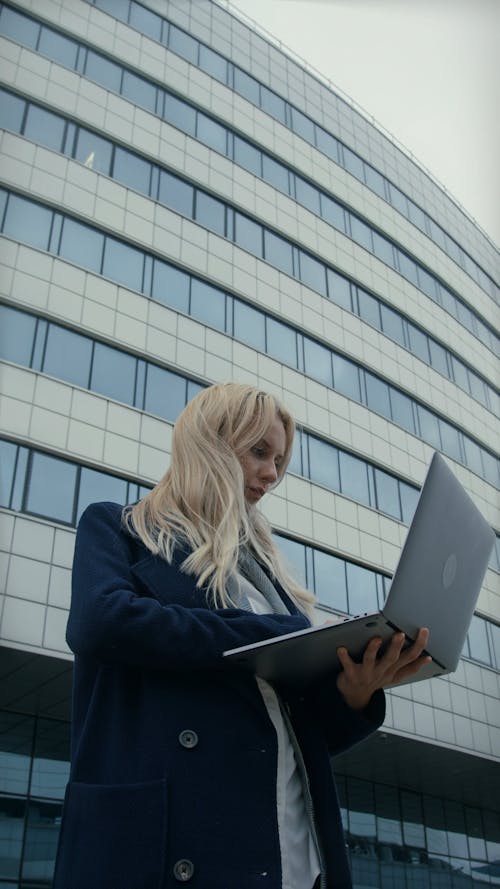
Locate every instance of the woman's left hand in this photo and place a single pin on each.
(358, 682)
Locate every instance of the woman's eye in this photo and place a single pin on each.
(259, 452)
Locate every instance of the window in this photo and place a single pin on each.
(58, 48)
(248, 234)
(354, 478)
(246, 86)
(429, 427)
(249, 325)
(165, 393)
(213, 63)
(11, 111)
(387, 489)
(82, 245)
(460, 373)
(450, 439)
(361, 233)
(417, 216)
(208, 304)
(409, 499)
(478, 640)
(323, 463)
(398, 199)
(297, 459)
(295, 557)
(176, 194)
(247, 156)
(312, 273)
(132, 170)
(139, 91)
(95, 486)
(117, 10)
(28, 222)
(473, 456)
(307, 195)
(478, 388)
(392, 324)
(113, 373)
(278, 252)
(104, 72)
(330, 583)
(51, 488)
(19, 27)
(67, 355)
(353, 164)
(491, 468)
(339, 289)
(327, 144)
(369, 308)
(93, 152)
(346, 377)
(383, 249)
(427, 283)
(276, 174)
(302, 125)
(333, 213)
(211, 133)
(123, 263)
(211, 213)
(361, 589)
(170, 286)
(438, 358)
(8, 456)
(145, 21)
(374, 180)
(183, 44)
(418, 343)
(272, 104)
(281, 342)
(377, 395)
(179, 114)
(402, 410)
(17, 330)
(408, 268)
(318, 361)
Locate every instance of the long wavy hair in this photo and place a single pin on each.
(199, 503)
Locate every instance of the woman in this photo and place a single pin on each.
(185, 770)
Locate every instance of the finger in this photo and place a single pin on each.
(414, 651)
(411, 669)
(371, 651)
(345, 658)
(393, 651)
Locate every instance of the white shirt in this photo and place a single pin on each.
(299, 856)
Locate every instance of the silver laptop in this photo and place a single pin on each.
(436, 585)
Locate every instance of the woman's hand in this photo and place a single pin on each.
(358, 682)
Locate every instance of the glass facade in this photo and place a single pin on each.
(396, 838)
(175, 210)
(34, 769)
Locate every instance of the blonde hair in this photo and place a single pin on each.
(200, 501)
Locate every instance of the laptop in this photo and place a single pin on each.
(436, 585)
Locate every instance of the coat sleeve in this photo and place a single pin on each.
(111, 622)
(343, 727)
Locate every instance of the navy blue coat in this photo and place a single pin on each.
(174, 757)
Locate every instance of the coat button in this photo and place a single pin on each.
(188, 738)
(183, 870)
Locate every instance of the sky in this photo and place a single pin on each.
(428, 71)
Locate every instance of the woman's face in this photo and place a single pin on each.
(261, 463)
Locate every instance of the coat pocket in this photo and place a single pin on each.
(112, 836)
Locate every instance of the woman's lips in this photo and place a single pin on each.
(257, 492)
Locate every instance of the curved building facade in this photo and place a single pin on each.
(181, 203)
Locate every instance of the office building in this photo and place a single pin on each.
(183, 203)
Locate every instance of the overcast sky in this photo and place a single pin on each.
(428, 71)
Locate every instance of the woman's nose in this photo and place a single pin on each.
(269, 471)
